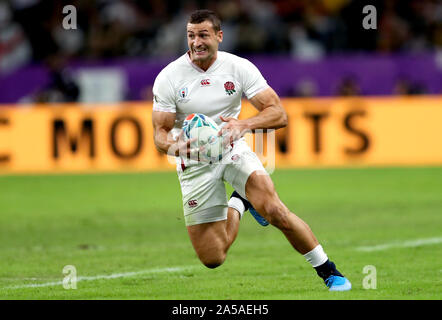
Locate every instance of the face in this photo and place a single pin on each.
(203, 42)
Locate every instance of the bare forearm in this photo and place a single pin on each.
(272, 117)
(164, 143)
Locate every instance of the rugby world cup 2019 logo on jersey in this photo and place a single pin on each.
(229, 86)
(183, 93)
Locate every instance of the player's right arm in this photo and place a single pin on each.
(163, 123)
(164, 116)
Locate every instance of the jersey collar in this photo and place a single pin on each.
(212, 67)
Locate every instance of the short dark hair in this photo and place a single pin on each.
(199, 16)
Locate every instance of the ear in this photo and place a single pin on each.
(220, 36)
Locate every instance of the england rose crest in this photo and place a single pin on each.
(230, 87)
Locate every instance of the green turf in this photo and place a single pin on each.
(116, 223)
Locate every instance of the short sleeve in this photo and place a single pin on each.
(163, 95)
(253, 81)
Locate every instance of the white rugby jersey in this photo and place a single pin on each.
(184, 88)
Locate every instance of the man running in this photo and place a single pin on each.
(205, 80)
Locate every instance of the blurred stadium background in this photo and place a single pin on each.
(321, 42)
(79, 100)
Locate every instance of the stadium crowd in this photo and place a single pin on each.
(32, 30)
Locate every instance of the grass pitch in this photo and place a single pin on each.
(125, 235)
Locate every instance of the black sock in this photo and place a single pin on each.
(244, 201)
(327, 269)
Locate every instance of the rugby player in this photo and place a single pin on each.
(205, 80)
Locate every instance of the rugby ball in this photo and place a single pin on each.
(205, 130)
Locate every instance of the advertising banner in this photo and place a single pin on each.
(321, 132)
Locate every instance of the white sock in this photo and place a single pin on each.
(316, 257)
(237, 204)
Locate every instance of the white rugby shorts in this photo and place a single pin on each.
(202, 185)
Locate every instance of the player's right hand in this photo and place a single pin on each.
(187, 149)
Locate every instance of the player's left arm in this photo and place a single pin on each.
(271, 115)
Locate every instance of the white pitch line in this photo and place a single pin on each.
(404, 244)
(109, 276)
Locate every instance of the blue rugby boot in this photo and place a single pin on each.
(337, 283)
(333, 279)
(248, 206)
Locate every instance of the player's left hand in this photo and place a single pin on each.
(233, 130)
